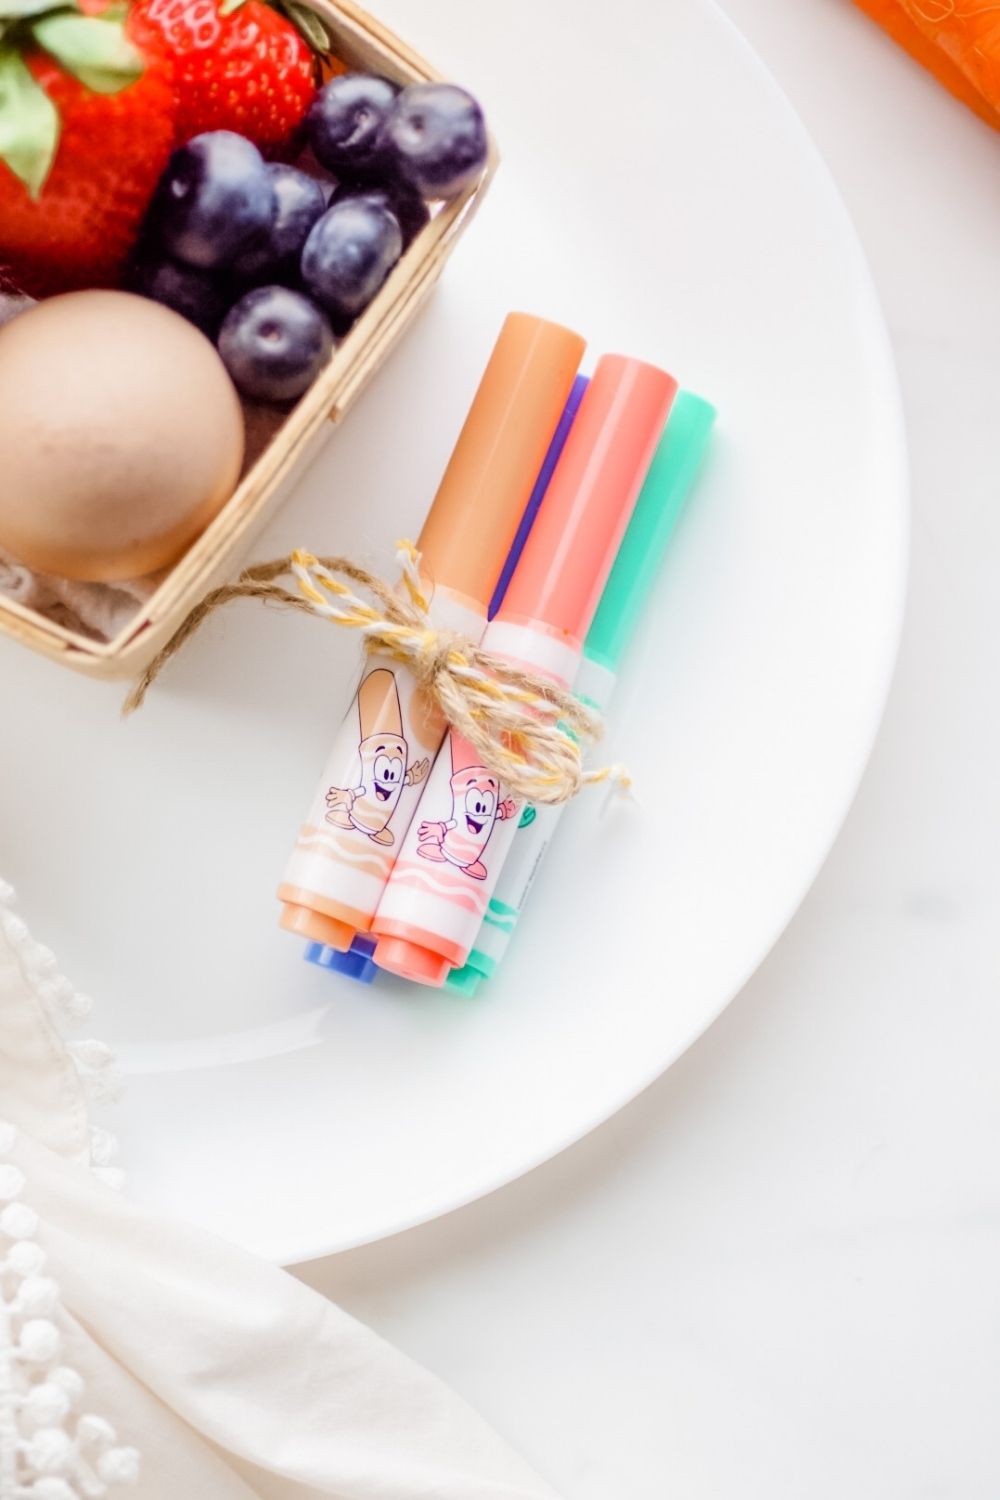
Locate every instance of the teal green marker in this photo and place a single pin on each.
(669, 481)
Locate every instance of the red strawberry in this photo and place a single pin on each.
(83, 142)
(239, 64)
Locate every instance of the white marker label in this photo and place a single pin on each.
(370, 787)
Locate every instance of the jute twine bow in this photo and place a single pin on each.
(527, 731)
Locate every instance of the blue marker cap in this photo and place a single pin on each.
(537, 495)
(356, 963)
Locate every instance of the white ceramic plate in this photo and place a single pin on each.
(658, 193)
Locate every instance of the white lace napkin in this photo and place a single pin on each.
(138, 1351)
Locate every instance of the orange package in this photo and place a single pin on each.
(957, 40)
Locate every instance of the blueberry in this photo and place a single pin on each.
(214, 197)
(409, 208)
(349, 253)
(438, 138)
(274, 343)
(345, 123)
(199, 296)
(274, 254)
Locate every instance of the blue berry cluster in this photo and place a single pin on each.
(275, 262)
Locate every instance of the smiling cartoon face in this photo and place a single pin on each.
(383, 766)
(477, 797)
(474, 808)
(382, 751)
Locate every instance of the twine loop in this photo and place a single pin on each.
(527, 730)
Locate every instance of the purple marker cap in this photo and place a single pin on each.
(541, 485)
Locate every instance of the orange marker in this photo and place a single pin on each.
(430, 912)
(384, 749)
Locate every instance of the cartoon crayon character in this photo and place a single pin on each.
(384, 770)
(475, 806)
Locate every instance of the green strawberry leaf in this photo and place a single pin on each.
(11, 10)
(93, 49)
(29, 123)
(230, 7)
(305, 20)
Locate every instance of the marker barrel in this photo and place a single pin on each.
(433, 906)
(388, 739)
(434, 902)
(667, 486)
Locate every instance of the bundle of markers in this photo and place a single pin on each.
(542, 544)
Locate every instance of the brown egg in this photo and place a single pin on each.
(121, 436)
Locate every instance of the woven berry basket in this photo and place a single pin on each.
(363, 43)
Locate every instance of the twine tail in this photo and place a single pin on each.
(526, 729)
(256, 582)
(619, 786)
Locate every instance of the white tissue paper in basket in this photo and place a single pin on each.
(137, 1352)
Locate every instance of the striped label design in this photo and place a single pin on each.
(465, 826)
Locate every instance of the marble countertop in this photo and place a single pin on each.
(775, 1274)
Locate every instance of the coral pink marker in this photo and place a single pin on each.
(432, 906)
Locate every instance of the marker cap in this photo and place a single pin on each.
(567, 557)
(661, 499)
(492, 471)
(412, 961)
(315, 926)
(466, 981)
(481, 965)
(356, 963)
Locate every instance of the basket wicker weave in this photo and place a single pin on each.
(363, 43)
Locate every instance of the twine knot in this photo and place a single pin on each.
(435, 653)
(527, 730)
